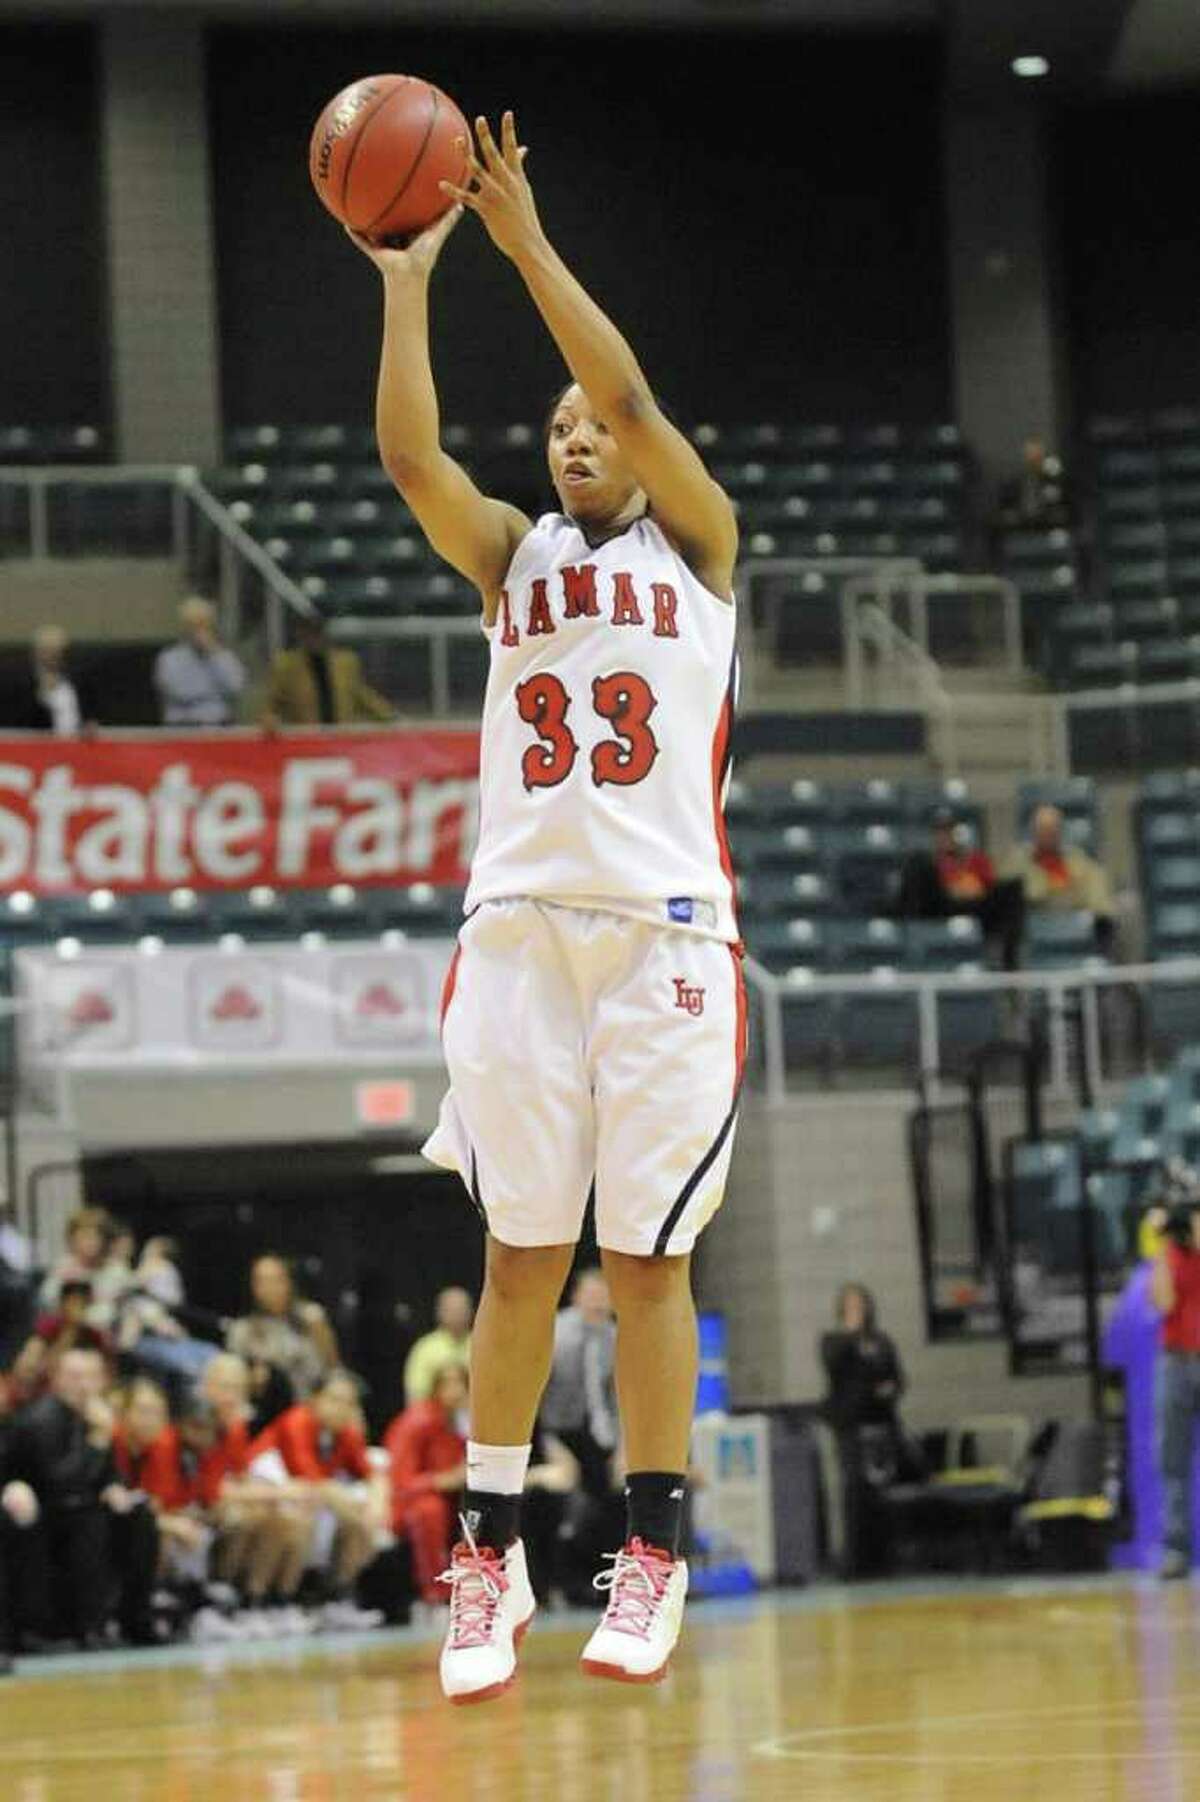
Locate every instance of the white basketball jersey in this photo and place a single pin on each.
(606, 732)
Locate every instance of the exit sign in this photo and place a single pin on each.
(384, 1103)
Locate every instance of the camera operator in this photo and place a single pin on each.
(1176, 1292)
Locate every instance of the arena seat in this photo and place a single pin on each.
(1055, 940)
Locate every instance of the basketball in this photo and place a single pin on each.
(379, 151)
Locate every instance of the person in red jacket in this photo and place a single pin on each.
(427, 1452)
(319, 1450)
(152, 1460)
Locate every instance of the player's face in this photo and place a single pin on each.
(591, 477)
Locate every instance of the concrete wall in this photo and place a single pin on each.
(123, 600)
(820, 1195)
(161, 257)
(1009, 352)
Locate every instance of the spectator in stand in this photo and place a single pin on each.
(198, 679)
(149, 1454)
(319, 684)
(318, 1450)
(448, 1343)
(57, 700)
(261, 1542)
(1037, 495)
(955, 877)
(59, 1332)
(115, 1275)
(148, 1330)
(89, 1531)
(427, 1451)
(18, 1508)
(291, 1335)
(270, 1394)
(89, 1231)
(1057, 875)
(17, 1289)
(866, 1381)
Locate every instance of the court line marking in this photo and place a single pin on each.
(804, 1745)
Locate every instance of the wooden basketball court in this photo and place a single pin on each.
(1003, 1693)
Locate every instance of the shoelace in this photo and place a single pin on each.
(477, 1583)
(638, 1581)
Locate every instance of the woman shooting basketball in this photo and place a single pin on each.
(594, 1020)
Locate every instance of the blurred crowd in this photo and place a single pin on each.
(199, 682)
(166, 1472)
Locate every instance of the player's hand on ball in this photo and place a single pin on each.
(498, 189)
(418, 256)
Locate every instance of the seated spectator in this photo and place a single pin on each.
(89, 1231)
(58, 1332)
(56, 700)
(1055, 874)
(18, 1508)
(17, 1289)
(89, 1532)
(448, 1343)
(270, 1394)
(866, 1381)
(149, 1330)
(281, 1330)
(319, 684)
(1037, 496)
(261, 1542)
(319, 1451)
(114, 1276)
(149, 1454)
(956, 877)
(198, 679)
(427, 1450)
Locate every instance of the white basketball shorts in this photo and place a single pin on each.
(585, 1047)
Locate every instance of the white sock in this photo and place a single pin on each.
(497, 1469)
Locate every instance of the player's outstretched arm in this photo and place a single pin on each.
(475, 534)
(685, 499)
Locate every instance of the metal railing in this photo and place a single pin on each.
(1073, 1017)
(879, 652)
(915, 601)
(199, 534)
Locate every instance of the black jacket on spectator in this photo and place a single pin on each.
(80, 1559)
(29, 713)
(49, 1450)
(857, 1364)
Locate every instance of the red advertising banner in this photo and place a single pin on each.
(228, 810)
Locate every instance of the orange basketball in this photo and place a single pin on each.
(379, 150)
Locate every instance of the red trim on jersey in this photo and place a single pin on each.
(449, 984)
(720, 763)
(741, 1024)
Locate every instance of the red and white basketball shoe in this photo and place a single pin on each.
(647, 1590)
(491, 1607)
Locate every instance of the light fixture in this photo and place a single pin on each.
(1030, 68)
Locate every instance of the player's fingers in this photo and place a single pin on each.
(477, 172)
(465, 197)
(487, 144)
(508, 139)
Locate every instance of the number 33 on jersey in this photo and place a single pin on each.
(606, 732)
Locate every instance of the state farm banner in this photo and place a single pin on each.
(231, 809)
(213, 1007)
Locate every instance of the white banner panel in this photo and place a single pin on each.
(204, 1007)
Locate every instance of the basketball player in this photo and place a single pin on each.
(594, 1014)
